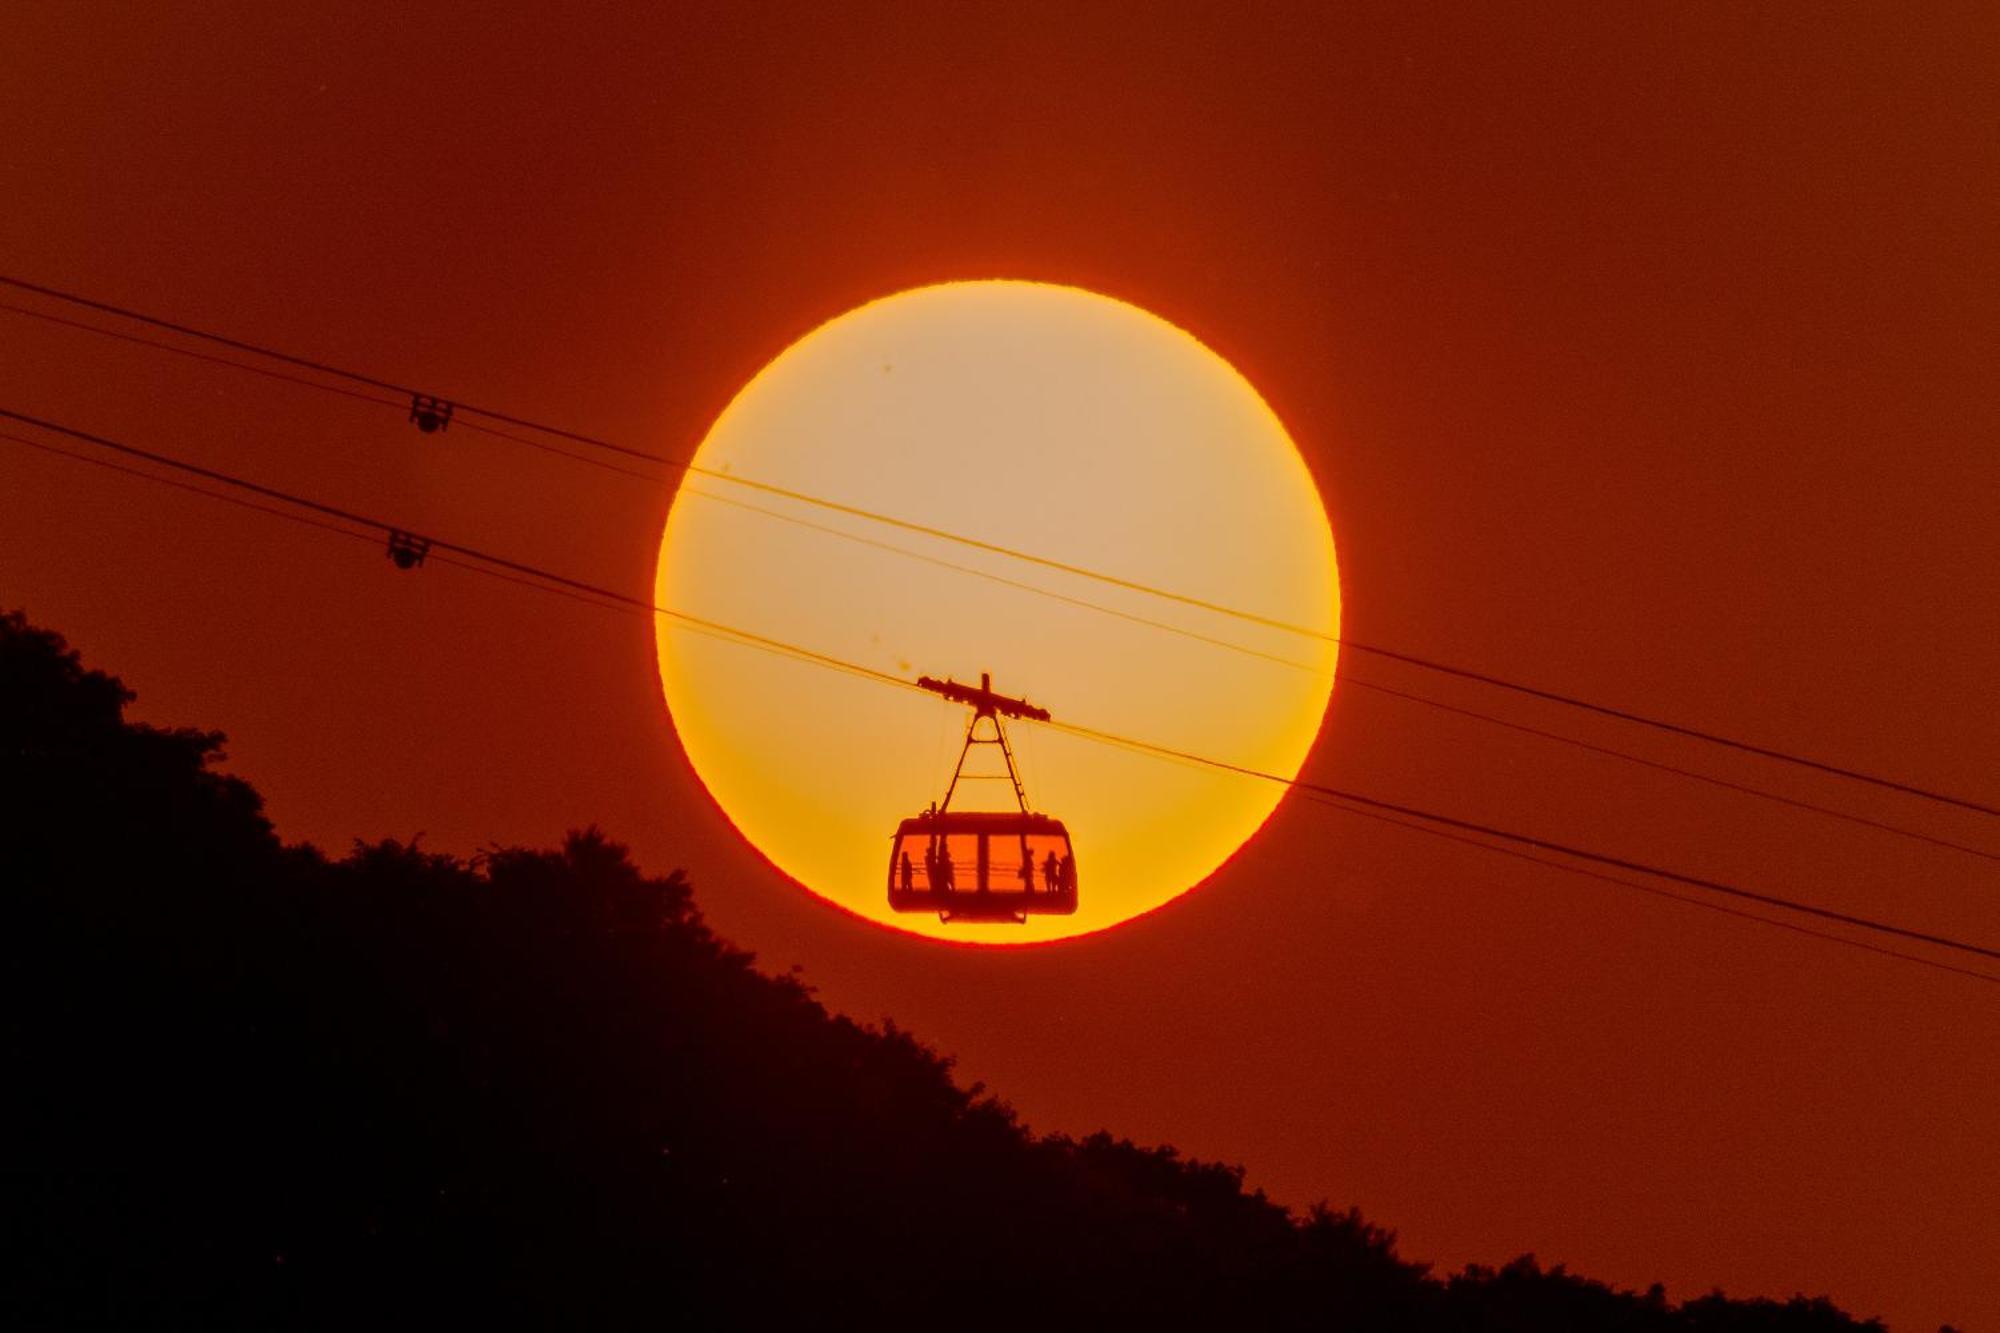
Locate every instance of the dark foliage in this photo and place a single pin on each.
(249, 1086)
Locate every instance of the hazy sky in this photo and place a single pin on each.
(1644, 352)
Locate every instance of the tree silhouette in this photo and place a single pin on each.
(255, 1086)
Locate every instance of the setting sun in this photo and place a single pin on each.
(1045, 419)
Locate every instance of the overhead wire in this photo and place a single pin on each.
(1035, 589)
(1523, 839)
(160, 344)
(440, 544)
(1133, 585)
(1004, 581)
(988, 575)
(226, 498)
(1658, 892)
(1346, 806)
(397, 404)
(308, 363)
(1375, 650)
(1349, 679)
(1412, 826)
(945, 735)
(1692, 774)
(1674, 728)
(312, 521)
(555, 581)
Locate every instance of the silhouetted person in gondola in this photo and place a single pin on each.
(909, 874)
(1051, 872)
(1068, 872)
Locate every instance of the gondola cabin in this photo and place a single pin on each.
(999, 865)
(983, 865)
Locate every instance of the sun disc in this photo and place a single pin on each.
(1041, 419)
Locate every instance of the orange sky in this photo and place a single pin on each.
(1643, 354)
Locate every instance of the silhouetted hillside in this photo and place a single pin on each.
(252, 1086)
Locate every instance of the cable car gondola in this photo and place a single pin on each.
(983, 865)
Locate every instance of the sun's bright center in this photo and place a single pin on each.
(1047, 420)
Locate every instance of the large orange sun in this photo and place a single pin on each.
(1040, 418)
